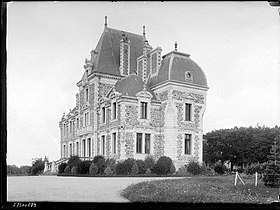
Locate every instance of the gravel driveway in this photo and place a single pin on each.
(75, 189)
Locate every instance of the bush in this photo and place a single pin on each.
(182, 171)
(100, 162)
(112, 163)
(141, 166)
(75, 170)
(124, 168)
(61, 168)
(271, 176)
(172, 169)
(108, 171)
(67, 169)
(194, 168)
(93, 169)
(253, 168)
(148, 172)
(84, 167)
(134, 169)
(163, 165)
(150, 162)
(38, 166)
(220, 169)
(74, 161)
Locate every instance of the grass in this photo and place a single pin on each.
(201, 190)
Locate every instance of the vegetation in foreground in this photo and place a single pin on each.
(201, 190)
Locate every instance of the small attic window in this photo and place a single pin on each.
(188, 76)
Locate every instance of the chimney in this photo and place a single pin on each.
(124, 55)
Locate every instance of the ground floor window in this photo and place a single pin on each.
(187, 148)
(70, 149)
(89, 147)
(147, 143)
(114, 143)
(143, 146)
(103, 144)
(84, 148)
(64, 151)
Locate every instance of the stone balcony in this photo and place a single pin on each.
(84, 130)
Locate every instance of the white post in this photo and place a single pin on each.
(235, 182)
(256, 179)
(241, 180)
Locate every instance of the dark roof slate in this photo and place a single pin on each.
(173, 68)
(131, 85)
(107, 59)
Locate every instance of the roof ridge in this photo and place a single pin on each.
(124, 31)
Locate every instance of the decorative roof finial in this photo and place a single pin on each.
(144, 33)
(176, 46)
(105, 22)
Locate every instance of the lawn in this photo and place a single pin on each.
(218, 189)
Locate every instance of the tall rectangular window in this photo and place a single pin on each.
(77, 123)
(147, 143)
(143, 110)
(70, 149)
(86, 94)
(89, 147)
(114, 111)
(103, 114)
(64, 151)
(73, 127)
(114, 142)
(77, 148)
(187, 144)
(188, 108)
(103, 145)
(139, 143)
(84, 148)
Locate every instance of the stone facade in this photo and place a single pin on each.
(133, 111)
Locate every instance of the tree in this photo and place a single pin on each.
(272, 167)
(38, 166)
(240, 146)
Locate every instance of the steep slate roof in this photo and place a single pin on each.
(173, 68)
(107, 59)
(131, 85)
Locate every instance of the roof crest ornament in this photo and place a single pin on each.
(176, 46)
(105, 24)
(144, 33)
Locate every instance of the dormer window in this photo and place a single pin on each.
(188, 76)
(188, 110)
(114, 110)
(143, 110)
(103, 115)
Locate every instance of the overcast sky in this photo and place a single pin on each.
(237, 44)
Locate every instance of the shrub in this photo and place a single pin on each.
(75, 170)
(150, 162)
(124, 168)
(141, 166)
(148, 172)
(271, 176)
(194, 168)
(253, 168)
(74, 161)
(163, 165)
(100, 162)
(172, 169)
(134, 169)
(84, 167)
(61, 168)
(38, 166)
(108, 171)
(67, 169)
(93, 169)
(219, 168)
(182, 171)
(112, 163)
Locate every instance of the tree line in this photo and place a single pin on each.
(239, 146)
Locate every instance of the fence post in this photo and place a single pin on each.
(256, 179)
(235, 182)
